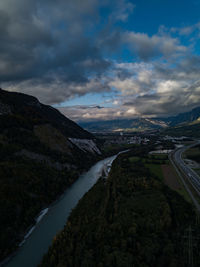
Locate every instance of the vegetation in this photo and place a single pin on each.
(37, 162)
(186, 130)
(155, 170)
(25, 188)
(125, 226)
(193, 153)
(130, 219)
(198, 171)
(113, 149)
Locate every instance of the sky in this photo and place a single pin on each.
(102, 60)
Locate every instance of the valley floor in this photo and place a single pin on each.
(130, 219)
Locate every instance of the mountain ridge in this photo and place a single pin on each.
(11, 102)
(142, 124)
(185, 117)
(41, 154)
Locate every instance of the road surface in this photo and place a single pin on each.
(191, 176)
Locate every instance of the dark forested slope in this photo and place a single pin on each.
(41, 153)
(130, 219)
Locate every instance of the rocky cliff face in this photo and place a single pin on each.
(30, 125)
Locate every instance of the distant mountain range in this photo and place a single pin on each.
(41, 154)
(143, 124)
(192, 116)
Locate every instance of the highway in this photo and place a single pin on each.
(191, 176)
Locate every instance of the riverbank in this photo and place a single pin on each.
(48, 201)
(131, 219)
(51, 217)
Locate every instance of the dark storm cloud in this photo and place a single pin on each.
(47, 43)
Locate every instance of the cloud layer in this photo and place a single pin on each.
(60, 50)
(45, 49)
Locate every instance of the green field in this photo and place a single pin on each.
(135, 159)
(198, 171)
(115, 148)
(193, 154)
(182, 191)
(159, 156)
(155, 170)
(153, 163)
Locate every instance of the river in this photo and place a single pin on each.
(36, 245)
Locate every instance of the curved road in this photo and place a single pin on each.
(191, 176)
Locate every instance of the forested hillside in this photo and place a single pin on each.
(130, 219)
(41, 154)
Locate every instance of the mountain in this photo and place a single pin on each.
(138, 125)
(14, 105)
(187, 124)
(190, 130)
(143, 124)
(41, 153)
(184, 118)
